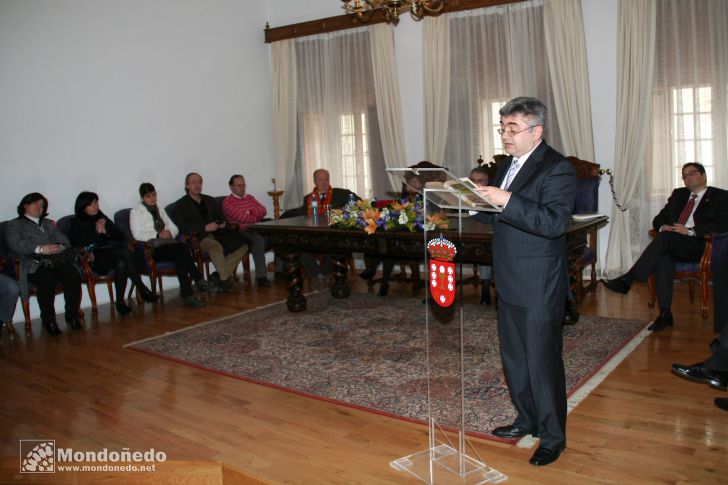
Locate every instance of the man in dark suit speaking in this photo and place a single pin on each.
(536, 188)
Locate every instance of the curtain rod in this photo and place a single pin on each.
(343, 22)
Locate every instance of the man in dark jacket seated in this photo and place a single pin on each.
(691, 212)
(200, 214)
(326, 197)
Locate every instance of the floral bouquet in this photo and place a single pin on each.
(397, 216)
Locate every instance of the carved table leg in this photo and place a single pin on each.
(340, 270)
(296, 302)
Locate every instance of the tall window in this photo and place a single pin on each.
(491, 119)
(692, 128)
(337, 112)
(355, 153)
(497, 53)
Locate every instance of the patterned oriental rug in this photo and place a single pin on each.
(368, 352)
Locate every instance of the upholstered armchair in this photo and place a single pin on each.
(714, 254)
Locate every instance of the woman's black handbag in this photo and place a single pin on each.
(67, 256)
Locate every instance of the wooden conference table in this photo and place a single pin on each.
(290, 237)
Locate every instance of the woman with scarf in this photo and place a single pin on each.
(149, 222)
(45, 261)
(93, 230)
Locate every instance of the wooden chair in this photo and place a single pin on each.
(90, 277)
(142, 250)
(715, 253)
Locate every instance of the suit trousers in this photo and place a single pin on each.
(659, 258)
(226, 265)
(46, 280)
(531, 350)
(720, 299)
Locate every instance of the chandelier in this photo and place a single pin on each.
(364, 9)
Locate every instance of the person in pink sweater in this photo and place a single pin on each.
(244, 209)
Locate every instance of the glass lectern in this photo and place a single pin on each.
(450, 457)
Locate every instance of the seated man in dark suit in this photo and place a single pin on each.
(200, 214)
(325, 197)
(714, 371)
(690, 213)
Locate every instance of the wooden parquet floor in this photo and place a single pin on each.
(86, 391)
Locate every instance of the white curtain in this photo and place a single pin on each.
(337, 118)
(635, 58)
(389, 107)
(566, 50)
(497, 53)
(283, 58)
(436, 85)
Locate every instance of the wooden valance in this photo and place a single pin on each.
(343, 22)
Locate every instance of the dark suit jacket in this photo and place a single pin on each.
(529, 236)
(188, 217)
(710, 216)
(339, 198)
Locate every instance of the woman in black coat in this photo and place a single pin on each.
(94, 231)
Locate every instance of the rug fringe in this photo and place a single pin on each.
(582, 392)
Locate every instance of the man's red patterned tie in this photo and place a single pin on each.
(685, 214)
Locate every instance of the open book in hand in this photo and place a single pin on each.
(463, 189)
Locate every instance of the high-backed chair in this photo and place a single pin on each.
(155, 270)
(586, 202)
(90, 277)
(714, 254)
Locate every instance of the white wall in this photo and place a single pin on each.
(103, 95)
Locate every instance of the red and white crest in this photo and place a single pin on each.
(442, 282)
(442, 271)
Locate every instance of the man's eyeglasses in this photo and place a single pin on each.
(688, 174)
(512, 132)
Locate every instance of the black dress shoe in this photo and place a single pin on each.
(722, 402)
(544, 456)
(383, 289)
(661, 322)
(52, 328)
(696, 372)
(720, 382)
(263, 282)
(73, 322)
(618, 285)
(513, 431)
(122, 308)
